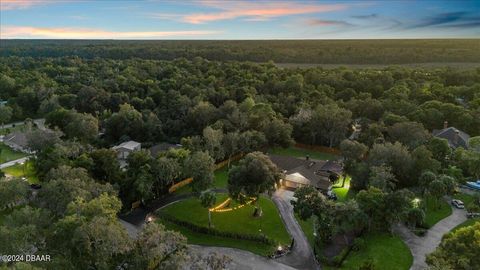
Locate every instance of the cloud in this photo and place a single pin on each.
(318, 22)
(363, 17)
(439, 19)
(10, 32)
(252, 11)
(23, 4)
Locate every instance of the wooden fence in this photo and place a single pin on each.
(180, 184)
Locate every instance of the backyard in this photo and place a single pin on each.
(7, 154)
(240, 221)
(302, 153)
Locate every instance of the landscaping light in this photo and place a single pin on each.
(279, 248)
(416, 202)
(149, 219)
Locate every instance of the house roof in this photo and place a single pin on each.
(130, 145)
(162, 147)
(455, 137)
(19, 138)
(297, 170)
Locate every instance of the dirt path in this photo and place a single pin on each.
(301, 256)
(422, 246)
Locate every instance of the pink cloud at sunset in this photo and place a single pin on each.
(85, 33)
(255, 11)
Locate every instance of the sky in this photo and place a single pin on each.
(238, 19)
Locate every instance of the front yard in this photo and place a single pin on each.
(434, 213)
(237, 221)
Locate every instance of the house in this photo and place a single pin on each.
(124, 149)
(162, 147)
(307, 172)
(17, 141)
(455, 137)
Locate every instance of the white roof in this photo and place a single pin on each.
(130, 145)
(297, 178)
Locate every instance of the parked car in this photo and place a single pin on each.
(458, 204)
(36, 186)
(473, 215)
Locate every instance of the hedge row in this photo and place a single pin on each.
(212, 231)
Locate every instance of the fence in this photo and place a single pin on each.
(180, 184)
(319, 148)
(219, 165)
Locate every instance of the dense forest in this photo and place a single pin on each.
(218, 109)
(280, 51)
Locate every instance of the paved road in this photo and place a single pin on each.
(422, 246)
(243, 260)
(301, 256)
(13, 162)
(40, 123)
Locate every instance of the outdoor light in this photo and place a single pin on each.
(149, 219)
(279, 248)
(416, 202)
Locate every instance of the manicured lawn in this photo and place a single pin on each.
(240, 221)
(307, 228)
(19, 169)
(302, 153)
(388, 252)
(7, 154)
(209, 240)
(436, 213)
(221, 177)
(343, 193)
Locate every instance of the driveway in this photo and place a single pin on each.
(242, 260)
(422, 246)
(13, 162)
(301, 256)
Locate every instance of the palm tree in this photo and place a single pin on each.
(208, 199)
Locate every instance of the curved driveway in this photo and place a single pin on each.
(301, 256)
(422, 246)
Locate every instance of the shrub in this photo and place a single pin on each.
(212, 231)
(358, 244)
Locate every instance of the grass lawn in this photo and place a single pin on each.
(7, 154)
(435, 214)
(388, 252)
(18, 171)
(307, 228)
(221, 177)
(302, 153)
(465, 198)
(240, 220)
(345, 193)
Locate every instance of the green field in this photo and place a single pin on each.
(302, 153)
(434, 214)
(239, 221)
(387, 252)
(27, 170)
(7, 154)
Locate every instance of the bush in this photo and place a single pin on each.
(212, 231)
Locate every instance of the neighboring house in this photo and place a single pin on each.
(162, 147)
(3, 102)
(17, 141)
(124, 149)
(307, 172)
(455, 137)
